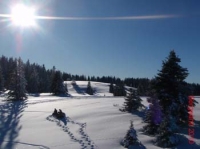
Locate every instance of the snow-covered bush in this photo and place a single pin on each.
(166, 136)
(131, 140)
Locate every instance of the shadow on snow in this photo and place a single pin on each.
(78, 89)
(10, 114)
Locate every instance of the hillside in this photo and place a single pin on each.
(91, 122)
(78, 89)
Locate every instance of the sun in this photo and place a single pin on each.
(22, 15)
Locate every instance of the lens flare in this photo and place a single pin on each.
(22, 15)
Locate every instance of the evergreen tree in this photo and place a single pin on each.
(131, 140)
(89, 89)
(111, 88)
(44, 79)
(17, 82)
(4, 69)
(166, 136)
(57, 86)
(66, 89)
(11, 66)
(1, 80)
(88, 79)
(34, 81)
(119, 90)
(141, 91)
(132, 101)
(170, 87)
(28, 75)
(153, 117)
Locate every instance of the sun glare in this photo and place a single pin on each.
(22, 15)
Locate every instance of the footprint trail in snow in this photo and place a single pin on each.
(80, 136)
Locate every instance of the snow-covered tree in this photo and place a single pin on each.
(57, 86)
(132, 101)
(153, 117)
(170, 88)
(17, 82)
(1, 80)
(166, 136)
(89, 89)
(45, 80)
(34, 81)
(169, 85)
(131, 140)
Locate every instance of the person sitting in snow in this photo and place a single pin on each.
(60, 111)
(60, 114)
(55, 112)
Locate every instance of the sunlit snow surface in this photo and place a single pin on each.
(92, 122)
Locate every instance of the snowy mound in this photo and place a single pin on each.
(79, 88)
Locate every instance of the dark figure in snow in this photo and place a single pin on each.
(55, 112)
(60, 111)
(60, 114)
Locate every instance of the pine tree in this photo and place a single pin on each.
(166, 136)
(66, 89)
(1, 80)
(11, 67)
(153, 117)
(34, 81)
(132, 101)
(169, 85)
(18, 82)
(140, 90)
(28, 75)
(111, 88)
(89, 89)
(131, 140)
(44, 79)
(119, 90)
(57, 86)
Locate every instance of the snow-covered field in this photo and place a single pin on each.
(92, 122)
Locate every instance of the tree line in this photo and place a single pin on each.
(39, 79)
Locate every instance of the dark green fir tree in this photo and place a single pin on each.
(111, 88)
(119, 90)
(89, 89)
(132, 101)
(57, 86)
(170, 86)
(34, 81)
(18, 82)
(166, 136)
(1, 80)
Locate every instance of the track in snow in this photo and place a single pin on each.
(81, 137)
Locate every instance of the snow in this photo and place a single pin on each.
(92, 122)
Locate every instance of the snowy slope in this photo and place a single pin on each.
(101, 89)
(90, 123)
(79, 89)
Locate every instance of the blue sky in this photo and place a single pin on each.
(102, 41)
